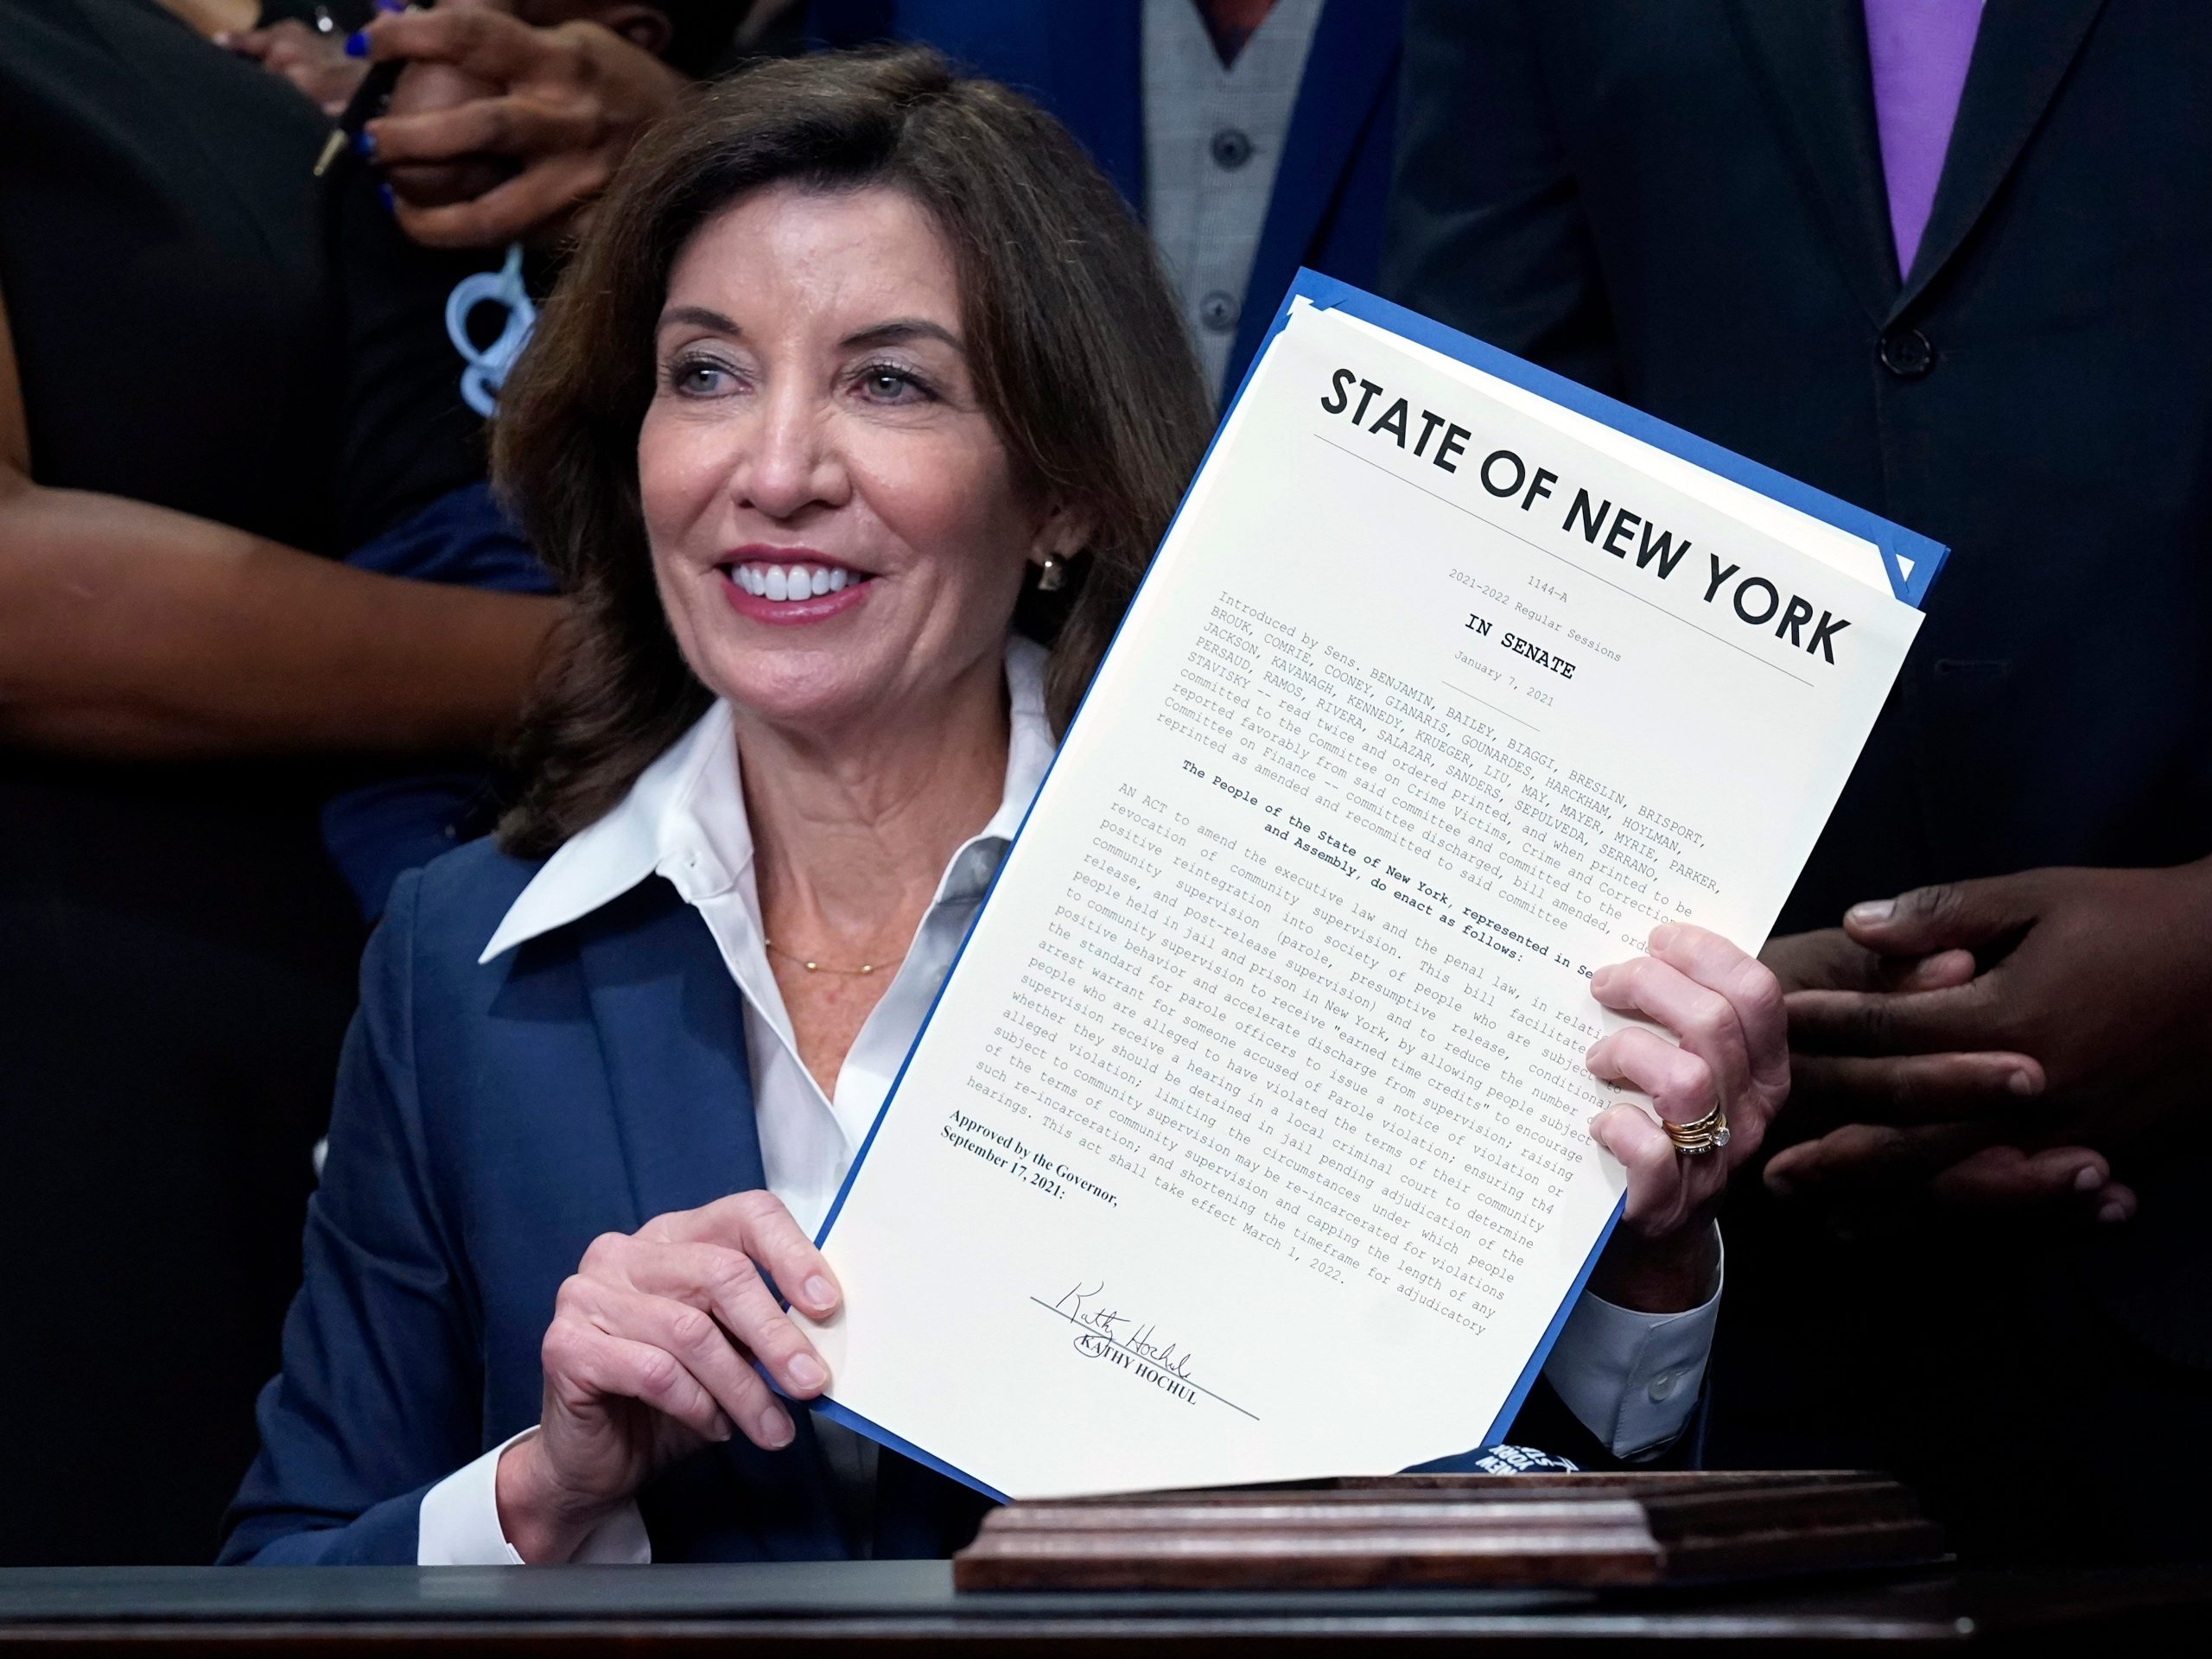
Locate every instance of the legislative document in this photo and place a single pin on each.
(1249, 1138)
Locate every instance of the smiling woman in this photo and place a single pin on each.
(853, 356)
(817, 421)
(854, 353)
(1001, 337)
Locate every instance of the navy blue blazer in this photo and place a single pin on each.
(1084, 62)
(489, 1123)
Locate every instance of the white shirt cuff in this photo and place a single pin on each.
(458, 1523)
(1633, 1379)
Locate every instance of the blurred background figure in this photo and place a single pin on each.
(1948, 263)
(185, 446)
(1252, 135)
(507, 120)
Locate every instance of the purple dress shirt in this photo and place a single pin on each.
(1920, 50)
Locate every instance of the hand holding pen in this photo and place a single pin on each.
(370, 97)
(506, 131)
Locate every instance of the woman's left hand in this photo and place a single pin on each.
(1725, 1008)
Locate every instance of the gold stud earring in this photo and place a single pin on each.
(1052, 574)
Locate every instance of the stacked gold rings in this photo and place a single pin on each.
(1707, 1134)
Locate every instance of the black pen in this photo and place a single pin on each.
(366, 104)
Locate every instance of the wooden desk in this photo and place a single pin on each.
(911, 1608)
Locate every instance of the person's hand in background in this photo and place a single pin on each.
(1828, 1089)
(1837, 1152)
(2070, 1044)
(501, 130)
(315, 63)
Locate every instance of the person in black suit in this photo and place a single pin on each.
(1952, 264)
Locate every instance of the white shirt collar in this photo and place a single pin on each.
(685, 818)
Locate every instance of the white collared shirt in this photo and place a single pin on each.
(684, 819)
(1632, 1378)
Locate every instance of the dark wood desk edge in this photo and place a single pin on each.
(2019, 1612)
(1060, 1638)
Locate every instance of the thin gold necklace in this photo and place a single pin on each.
(820, 967)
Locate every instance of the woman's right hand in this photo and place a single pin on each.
(651, 1357)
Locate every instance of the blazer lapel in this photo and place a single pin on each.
(671, 1031)
(1097, 82)
(2023, 53)
(1349, 69)
(1810, 57)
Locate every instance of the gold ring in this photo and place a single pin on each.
(1707, 1134)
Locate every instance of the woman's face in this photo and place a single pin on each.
(836, 531)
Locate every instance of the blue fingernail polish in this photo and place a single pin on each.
(391, 5)
(384, 195)
(357, 44)
(365, 142)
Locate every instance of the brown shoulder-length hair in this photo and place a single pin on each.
(1078, 349)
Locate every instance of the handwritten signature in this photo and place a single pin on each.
(1104, 1329)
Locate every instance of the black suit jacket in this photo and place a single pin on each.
(1682, 204)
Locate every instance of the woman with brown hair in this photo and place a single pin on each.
(849, 434)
